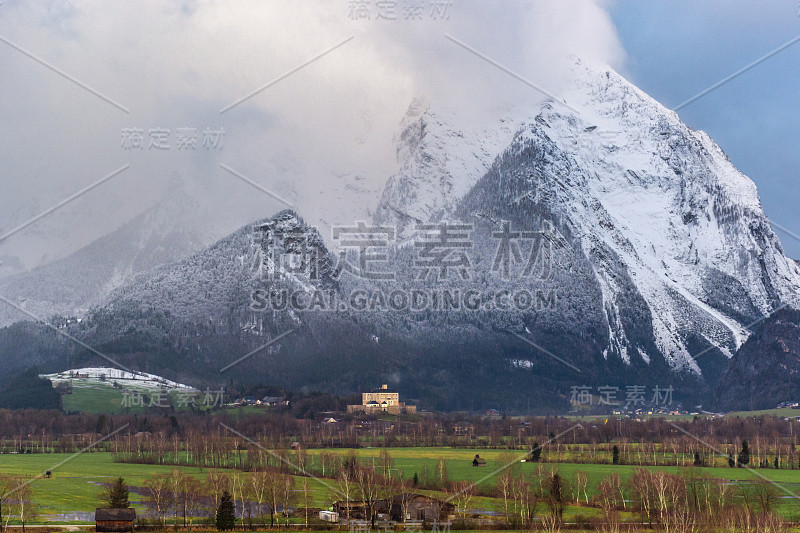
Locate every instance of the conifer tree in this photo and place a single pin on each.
(226, 515)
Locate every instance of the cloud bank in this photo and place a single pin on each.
(320, 138)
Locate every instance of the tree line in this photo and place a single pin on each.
(685, 503)
(38, 431)
(178, 499)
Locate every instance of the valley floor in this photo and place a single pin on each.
(70, 496)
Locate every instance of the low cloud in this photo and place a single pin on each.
(320, 138)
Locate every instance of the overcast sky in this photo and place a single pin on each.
(75, 75)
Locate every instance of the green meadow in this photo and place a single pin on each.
(408, 461)
(78, 479)
(99, 398)
(781, 413)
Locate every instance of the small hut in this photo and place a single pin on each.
(114, 520)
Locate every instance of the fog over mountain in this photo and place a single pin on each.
(320, 138)
(563, 227)
(645, 247)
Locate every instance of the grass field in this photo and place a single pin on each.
(408, 461)
(97, 398)
(77, 482)
(783, 412)
(93, 399)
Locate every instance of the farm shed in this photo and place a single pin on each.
(114, 520)
(409, 506)
(478, 461)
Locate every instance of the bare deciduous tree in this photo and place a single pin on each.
(158, 497)
(461, 493)
(216, 483)
(581, 482)
(346, 486)
(369, 484)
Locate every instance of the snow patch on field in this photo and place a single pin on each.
(100, 375)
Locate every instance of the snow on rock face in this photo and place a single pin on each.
(441, 156)
(686, 224)
(650, 202)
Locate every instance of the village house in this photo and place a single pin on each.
(406, 507)
(464, 429)
(274, 401)
(114, 520)
(382, 399)
(247, 400)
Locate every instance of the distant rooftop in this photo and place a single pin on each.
(107, 514)
(383, 388)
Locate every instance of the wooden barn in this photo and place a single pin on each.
(402, 508)
(114, 520)
(409, 506)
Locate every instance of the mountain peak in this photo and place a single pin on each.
(647, 247)
(655, 207)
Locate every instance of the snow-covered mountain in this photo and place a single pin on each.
(441, 156)
(644, 248)
(687, 225)
(69, 286)
(656, 209)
